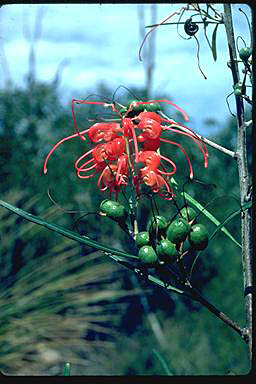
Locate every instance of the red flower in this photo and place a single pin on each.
(136, 140)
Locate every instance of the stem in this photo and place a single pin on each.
(196, 296)
(241, 157)
(192, 293)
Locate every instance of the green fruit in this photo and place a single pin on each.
(105, 204)
(238, 92)
(148, 255)
(188, 213)
(137, 108)
(178, 231)
(152, 107)
(198, 237)
(113, 209)
(166, 250)
(157, 226)
(245, 53)
(142, 238)
(237, 86)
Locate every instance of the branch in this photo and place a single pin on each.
(246, 220)
(185, 289)
(221, 315)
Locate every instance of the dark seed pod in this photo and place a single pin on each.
(190, 27)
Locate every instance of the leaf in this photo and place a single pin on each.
(65, 232)
(210, 217)
(230, 217)
(214, 35)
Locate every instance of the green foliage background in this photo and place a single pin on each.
(61, 302)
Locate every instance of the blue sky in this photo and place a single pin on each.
(100, 43)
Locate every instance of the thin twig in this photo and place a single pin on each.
(182, 22)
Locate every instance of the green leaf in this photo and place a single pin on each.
(169, 287)
(214, 50)
(230, 217)
(210, 217)
(65, 232)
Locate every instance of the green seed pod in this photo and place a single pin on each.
(105, 204)
(142, 238)
(237, 86)
(166, 250)
(152, 107)
(198, 237)
(188, 213)
(136, 108)
(148, 255)
(113, 209)
(157, 226)
(245, 53)
(238, 92)
(178, 231)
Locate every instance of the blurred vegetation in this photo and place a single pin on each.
(62, 302)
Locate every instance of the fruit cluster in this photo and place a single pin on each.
(162, 240)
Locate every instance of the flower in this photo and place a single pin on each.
(118, 147)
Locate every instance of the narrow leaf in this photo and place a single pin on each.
(65, 232)
(210, 217)
(214, 49)
(230, 217)
(169, 287)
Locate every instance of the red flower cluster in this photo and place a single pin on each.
(135, 141)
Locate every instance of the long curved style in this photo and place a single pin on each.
(118, 147)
